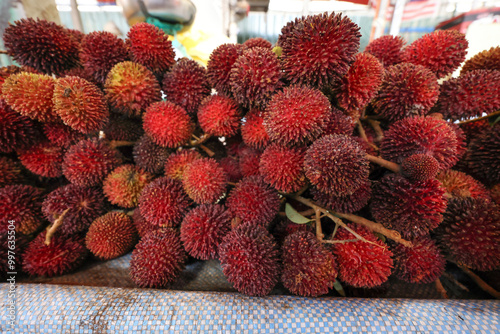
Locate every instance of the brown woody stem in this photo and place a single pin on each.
(454, 280)
(120, 143)
(4, 52)
(480, 118)
(362, 133)
(319, 231)
(206, 150)
(339, 241)
(58, 222)
(479, 281)
(378, 130)
(440, 288)
(384, 163)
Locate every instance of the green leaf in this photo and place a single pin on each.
(494, 120)
(294, 216)
(337, 286)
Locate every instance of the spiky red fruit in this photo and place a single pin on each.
(362, 264)
(21, 204)
(111, 236)
(407, 90)
(339, 123)
(470, 95)
(43, 45)
(101, 50)
(421, 135)
(177, 163)
(256, 42)
(231, 166)
(130, 88)
(253, 201)
(347, 203)
(249, 161)
(163, 202)
(16, 131)
(219, 116)
(149, 46)
(122, 128)
(296, 115)
(249, 259)
(255, 76)
(157, 259)
(83, 205)
(495, 193)
(186, 84)
(149, 156)
(336, 164)
(387, 49)
(7, 71)
(141, 224)
(361, 82)
(10, 172)
(167, 124)
(123, 185)
(461, 185)
(44, 159)
(318, 49)
(219, 66)
(411, 208)
(282, 167)
(484, 60)
(63, 255)
(30, 95)
(483, 156)
(309, 269)
(80, 104)
(420, 167)
(470, 233)
(204, 180)
(253, 131)
(62, 135)
(89, 161)
(203, 229)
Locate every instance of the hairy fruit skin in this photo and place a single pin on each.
(150, 156)
(20, 203)
(16, 131)
(204, 180)
(483, 156)
(484, 60)
(10, 172)
(44, 159)
(219, 66)
(420, 167)
(176, 164)
(282, 167)
(257, 42)
(124, 184)
(387, 49)
(61, 135)
(461, 185)
(253, 131)
(219, 116)
(346, 203)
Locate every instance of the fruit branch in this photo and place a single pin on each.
(480, 118)
(339, 241)
(479, 281)
(58, 222)
(319, 231)
(362, 133)
(384, 163)
(198, 141)
(120, 143)
(440, 288)
(4, 52)
(376, 127)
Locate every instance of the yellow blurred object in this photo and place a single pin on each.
(199, 44)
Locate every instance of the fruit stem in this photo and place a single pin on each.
(440, 288)
(362, 133)
(339, 241)
(480, 118)
(319, 231)
(120, 143)
(378, 130)
(384, 163)
(479, 281)
(207, 150)
(4, 52)
(58, 222)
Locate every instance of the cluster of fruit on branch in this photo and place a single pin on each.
(307, 163)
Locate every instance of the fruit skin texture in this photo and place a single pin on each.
(142, 226)
(111, 236)
(309, 269)
(61, 135)
(186, 84)
(253, 131)
(407, 90)
(219, 116)
(470, 233)
(63, 255)
(219, 66)
(167, 124)
(411, 208)
(442, 51)
(420, 167)
(253, 201)
(16, 131)
(249, 259)
(20, 203)
(149, 156)
(232, 168)
(88, 162)
(347, 203)
(461, 185)
(176, 164)
(122, 128)
(80, 104)
(483, 156)
(318, 49)
(10, 172)
(296, 115)
(257, 42)
(249, 161)
(495, 193)
(422, 263)
(203, 229)
(204, 180)
(361, 264)
(387, 49)
(484, 60)
(336, 164)
(124, 184)
(130, 88)
(43, 45)
(163, 202)
(158, 259)
(44, 159)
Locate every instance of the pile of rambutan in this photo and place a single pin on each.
(307, 164)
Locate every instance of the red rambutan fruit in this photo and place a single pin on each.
(122, 128)
(43, 45)
(63, 255)
(249, 259)
(124, 184)
(204, 180)
(257, 42)
(219, 66)
(420, 167)
(167, 124)
(89, 161)
(44, 159)
(421, 135)
(255, 76)
(219, 116)
(149, 156)
(30, 95)
(461, 185)
(387, 49)
(309, 269)
(296, 115)
(422, 263)
(495, 193)
(253, 131)
(282, 167)
(347, 203)
(60, 134)
(83, 205)
(186, 84)
(203, 229)
(441, 51)
(163, 202)
(130, 88)
(100, 51)
(249, 161)
(336, 164)
(317, 50)
(362, 264)
(484, 60)
(149, 46)
(339, 124)
(10, 172)
(20, 203)
(407, 90)
(176, 163)
(232, 168)
(16, 131)
(473, 129)
(158, 259)
(483, 156)
(111, 236)
(7, 71)
(253, 201)
(411, 208)
(470, 233)
(142, 225)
